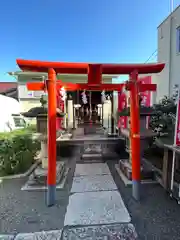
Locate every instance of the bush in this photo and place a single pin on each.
(164, 120)
(17, 151)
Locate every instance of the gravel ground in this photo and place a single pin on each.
(156, 216)
(22, 211)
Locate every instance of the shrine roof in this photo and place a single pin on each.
(27, 76)
(38, 111)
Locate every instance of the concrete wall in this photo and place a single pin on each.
(167, 53)
(27, 104)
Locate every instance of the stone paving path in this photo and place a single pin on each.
(95, 199)
(95, 210)
(96, 206)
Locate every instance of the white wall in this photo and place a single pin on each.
(167, 53)
(25, 94)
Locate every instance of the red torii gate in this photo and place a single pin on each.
(94, 72)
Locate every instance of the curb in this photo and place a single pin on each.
(27, 173)
(54, 234)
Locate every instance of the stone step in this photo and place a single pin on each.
(91, 155)
(92, 158)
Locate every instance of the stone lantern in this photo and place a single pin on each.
(40, 113)
(146, 135)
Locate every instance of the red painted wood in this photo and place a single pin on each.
(35, 86)
(51, 178)
(135, 129)
(82, 68)
(94, 74)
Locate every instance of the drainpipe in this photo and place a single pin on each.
(170, 53)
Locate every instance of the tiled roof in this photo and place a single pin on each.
(5, 86)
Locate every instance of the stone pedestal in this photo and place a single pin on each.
(44, 153)
(147, 173)
(40, 174)
(38, 179)
(125, 165)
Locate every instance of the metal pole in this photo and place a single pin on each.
(51, 176)
(112, 113)
(175, 136)
(90, 106)
(74, 117)
(172, 5)
(135, 136)
(102, 115)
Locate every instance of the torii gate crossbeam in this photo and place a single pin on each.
(94, 72)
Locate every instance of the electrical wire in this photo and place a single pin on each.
(152, 55)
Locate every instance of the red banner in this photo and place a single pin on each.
(146, 96)
(122, 103)
(177, 129)
(60, 105)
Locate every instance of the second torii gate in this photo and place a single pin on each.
(94, 72)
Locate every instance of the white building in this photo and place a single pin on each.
(169, 53)
(30, 99)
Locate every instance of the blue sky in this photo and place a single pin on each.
(81, 30)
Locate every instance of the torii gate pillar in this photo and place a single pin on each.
(135, 136)
(51, 178)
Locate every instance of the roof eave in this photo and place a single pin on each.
(41, 74)
(170, 15)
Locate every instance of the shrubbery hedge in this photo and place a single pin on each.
(17, 151)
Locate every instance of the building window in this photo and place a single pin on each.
(178, 39)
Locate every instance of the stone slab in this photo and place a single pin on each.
(91, 169)
(115, 231)
(6, 237)
(93, 183)
(29, 187)
(49, 235)
(92, 208)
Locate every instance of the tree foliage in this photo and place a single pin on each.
(17, 151)
(164, 119)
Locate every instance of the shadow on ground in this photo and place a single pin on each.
(156, 216)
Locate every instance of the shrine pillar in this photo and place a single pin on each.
(107, 109)
(112, 113)
(70, 113)
(100, 106)
(65, 116)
